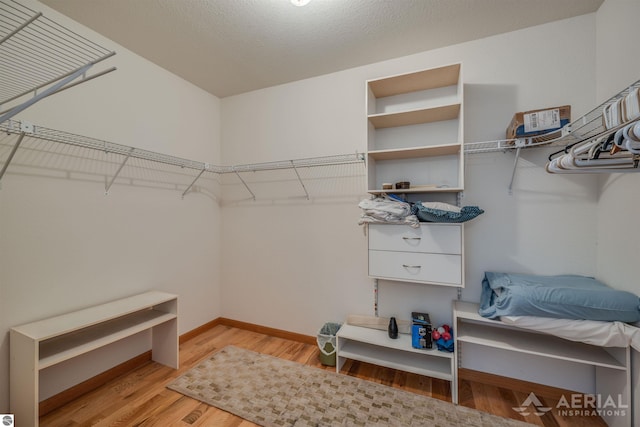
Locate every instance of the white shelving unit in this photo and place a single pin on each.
(415, 134)
(612, 364)
(415, 131)
(39, 345)
(374, 346)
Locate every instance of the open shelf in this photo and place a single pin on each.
(374, 346)
(473, 328)
(415, 117)
(403, 361)
(419, 189)
(611, 365)
(67, 323)
(413, 152)
(45, 343)
(536, 344)
(59, 349)
(415, 131)
(421, 80)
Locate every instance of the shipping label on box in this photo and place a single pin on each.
(542, 120)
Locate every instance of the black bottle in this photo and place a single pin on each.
(393, 328)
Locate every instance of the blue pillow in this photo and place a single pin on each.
(426, 214)
(564, 297)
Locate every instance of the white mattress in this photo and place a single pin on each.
(603, 334)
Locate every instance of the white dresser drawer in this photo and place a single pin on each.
(433, 238)
(443, 269)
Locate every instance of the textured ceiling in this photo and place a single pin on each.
(228, 47)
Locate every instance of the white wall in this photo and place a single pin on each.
(294, 265)
(619, 202)
(283, 261)
(64, 245)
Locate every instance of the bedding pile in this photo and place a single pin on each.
(387, 210)
(391, 209)
(573, 307)
(444, 212)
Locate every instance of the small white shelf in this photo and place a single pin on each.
(415, 117)
(418, 190)
(448, 75)
(66, 323)
(537, 344)
(45, 343)
(612, 365)
(374, 346)
(413, 152)
(473, 328)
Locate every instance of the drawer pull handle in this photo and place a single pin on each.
(412, 238)
(411, 266)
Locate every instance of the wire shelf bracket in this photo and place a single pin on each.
(194, 181)
(300, 180)
(107, 187)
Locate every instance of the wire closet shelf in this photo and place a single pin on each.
(585, 128)
(21, 129)
(39, 56)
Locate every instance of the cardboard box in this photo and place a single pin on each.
(538, 122)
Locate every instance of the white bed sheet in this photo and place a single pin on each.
(603, 334)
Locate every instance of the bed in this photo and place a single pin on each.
(572, 307)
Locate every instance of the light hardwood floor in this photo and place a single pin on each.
(140, 398)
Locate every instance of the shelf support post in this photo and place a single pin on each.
(194, 181)
(375, 297)
(300, 179)
(513, 173)
(108, 186)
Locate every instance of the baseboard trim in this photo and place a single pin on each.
(56, 401)
(199, 330)
(278, 333)
(513, 384)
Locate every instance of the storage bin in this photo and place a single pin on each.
(327, 343)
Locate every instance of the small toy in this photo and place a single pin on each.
(443, 337)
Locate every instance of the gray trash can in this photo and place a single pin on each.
(327, 343)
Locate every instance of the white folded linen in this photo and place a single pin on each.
(603, 334)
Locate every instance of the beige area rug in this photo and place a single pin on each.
(270, 391)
